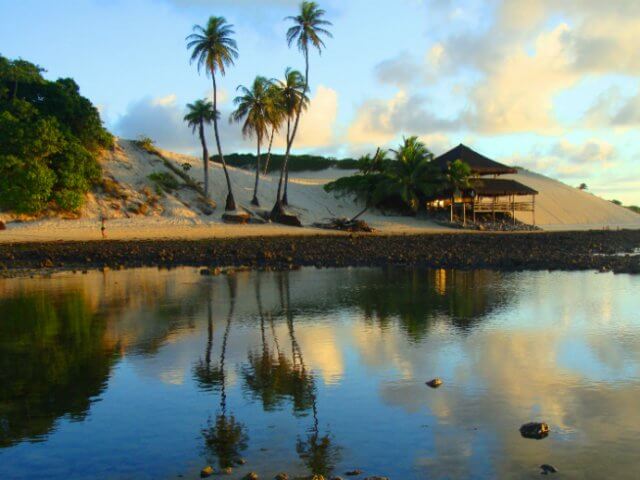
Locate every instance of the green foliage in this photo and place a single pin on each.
(164, 181)
(147, 144)
(634, 208)
(297, 163)
(407, 180)
(617, 202)
(49, 138)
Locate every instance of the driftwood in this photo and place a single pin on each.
(344, 224)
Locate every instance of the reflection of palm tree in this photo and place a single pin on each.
(225, 438)
(317, 451)
(271, 376)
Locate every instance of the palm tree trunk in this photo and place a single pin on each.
(360, 214)
(278, 208)
(205, 159)
(266, 163)
(255, 201)
(231, 202)
(285, 197)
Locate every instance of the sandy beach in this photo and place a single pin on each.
(559, 207)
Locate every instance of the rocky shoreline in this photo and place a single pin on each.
(591, 250)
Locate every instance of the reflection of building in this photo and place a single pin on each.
(487, 193)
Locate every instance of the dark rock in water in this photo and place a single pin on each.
(534, 430)
(336, 478)
(435, 383)
(251, 476)
(377, 478)
(237, 216)
(547, 469)
(227, 471)
(353, 472)
(282, 476)
(2, 225)
(206, 471)
(239, 461)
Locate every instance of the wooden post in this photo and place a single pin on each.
(513, 208)
(493, 209)
(464, 213)
(533, 212)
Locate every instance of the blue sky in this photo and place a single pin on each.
(552, 86)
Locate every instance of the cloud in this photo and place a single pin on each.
(161, 119)
(399, 71)
(568, 160)
(317, 124)
(612, 108)
(379, 121)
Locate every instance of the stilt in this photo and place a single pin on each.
(513, 208)
(464, 214)
(533, 211)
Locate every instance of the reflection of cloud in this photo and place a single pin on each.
(321, 353)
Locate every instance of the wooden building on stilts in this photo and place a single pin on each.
(487, 194)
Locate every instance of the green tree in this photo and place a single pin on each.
(309, 27)
(215, 51)
(457, 179)
(255, 109)
(408, 178)
(199, 113)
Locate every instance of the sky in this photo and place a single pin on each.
(550, 85)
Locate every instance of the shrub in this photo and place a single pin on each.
(147, 144)
(164, 181)
(49, 138)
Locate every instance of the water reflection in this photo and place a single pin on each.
(322, 370)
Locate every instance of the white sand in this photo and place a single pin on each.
(559, 207)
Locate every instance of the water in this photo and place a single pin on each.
(154, 374)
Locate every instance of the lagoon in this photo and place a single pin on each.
(148, 373)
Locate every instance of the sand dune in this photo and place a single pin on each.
(177, 215)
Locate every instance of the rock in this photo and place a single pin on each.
(377, 478)
(3, 226)
(353, 472)
(534, 430)
(282, 476)
(236, 216)
(251, 476)
(547, 469)
(239, 461)
(47, 263)
(227, 471)
(206, 471)
(435, 383)
(287, 219)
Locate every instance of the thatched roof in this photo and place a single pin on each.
(497, 187)
(480, 165)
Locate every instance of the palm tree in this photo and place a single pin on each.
(215, 50)
(254, 107)
(457, 178)
(306, 32)
(198, 114)
(409, 178)
(294, 97)
(276, 115)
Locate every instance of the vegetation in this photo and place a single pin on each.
(50, 136)
(307, 30)
(164, 181)
(200, 113)
(406, 180)
(633, 208)
(257, 109)
(214, 49)
(297, 163)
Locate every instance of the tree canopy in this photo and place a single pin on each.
(49, 138)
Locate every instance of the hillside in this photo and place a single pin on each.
(137, 206)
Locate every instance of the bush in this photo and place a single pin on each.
(164, 181)
(297, 163)
(147, 144)
(49, 138)
(25, 188)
